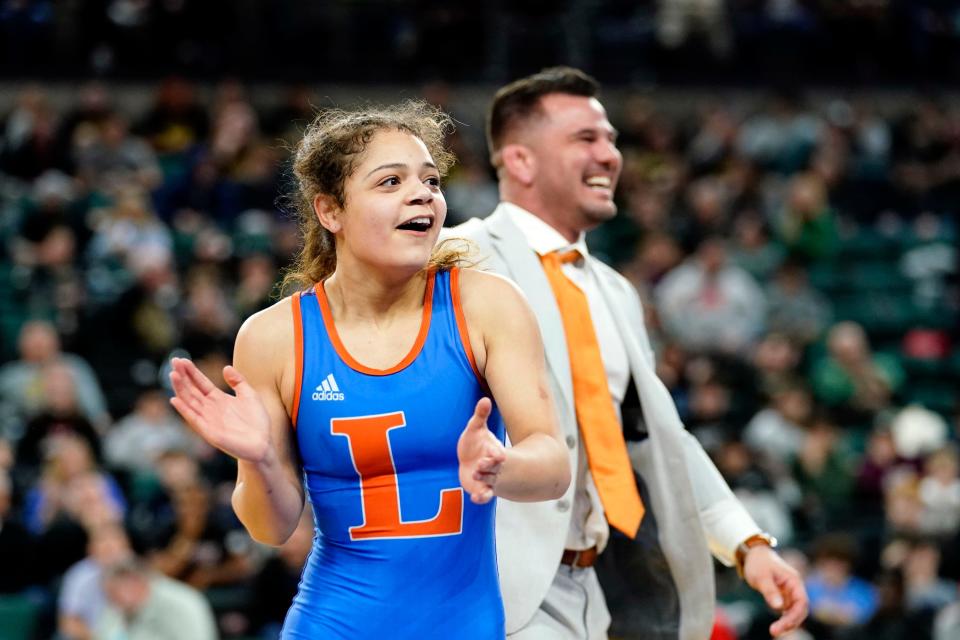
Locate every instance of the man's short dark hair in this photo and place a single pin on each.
(520, 99)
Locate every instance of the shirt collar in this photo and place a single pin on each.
(540, 236)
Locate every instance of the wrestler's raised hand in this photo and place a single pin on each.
(481, 455)
(237, 424)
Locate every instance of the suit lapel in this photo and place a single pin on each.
(654, 397)
(524, 268)
(634, 353)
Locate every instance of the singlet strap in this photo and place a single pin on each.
(462, 324)
(297, 356)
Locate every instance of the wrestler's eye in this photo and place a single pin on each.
(433, 181)
(392, 181)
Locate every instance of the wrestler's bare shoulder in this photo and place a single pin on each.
(493, 301)
(269, 333)
(489, 290)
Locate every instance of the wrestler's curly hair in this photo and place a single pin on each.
(330, 150)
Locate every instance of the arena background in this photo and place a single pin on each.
(805, 153)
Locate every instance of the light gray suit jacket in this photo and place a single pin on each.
(690, 509)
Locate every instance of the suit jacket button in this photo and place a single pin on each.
(563, 505)
(571, 442)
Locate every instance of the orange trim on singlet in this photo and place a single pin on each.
(462, 323)
(342, 350)
(297, 357)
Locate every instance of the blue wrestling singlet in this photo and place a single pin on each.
(400, 550)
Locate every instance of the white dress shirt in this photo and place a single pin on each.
(588, 526)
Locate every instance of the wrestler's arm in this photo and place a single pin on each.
(269, 494)
(509, 352)
(253, 425)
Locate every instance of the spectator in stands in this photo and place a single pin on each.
(678, 20)
(71, 497)
(153, 516)
(176, 121)
(52, 203)
(207, 546)
(30, 137)
(207, 317)
(47, 279)
(58, 415)
(709, 304)
(795, 309)
(136, 441)
(807, 223)
(946, 625)
(923, 157)
(940, 493)
(82, 599)
(126, 230)
(838, 599)
(143, 604)
(139, 324)
(470, 191)
(22, 381)
(656, 255)
(706, 213)
(902, 506)
(925, 589)
(824, 470)
(778, 431)
(775, 360)
(755, 489)
(753, 249)
(83, 120)
(72, 489)
(853, 379)
(781, 136)
(890, 620)
(879, 460)
(111, 159)
(257, 275)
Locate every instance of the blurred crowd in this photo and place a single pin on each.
(666, 41)
(797, 264)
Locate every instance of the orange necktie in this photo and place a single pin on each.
(599, 427)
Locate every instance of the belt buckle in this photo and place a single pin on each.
(576, 558)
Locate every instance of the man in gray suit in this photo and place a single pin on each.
(558, 165)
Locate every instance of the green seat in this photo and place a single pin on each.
(18, 617)
(935, 318)
(877, 312)
(867, 243)
(826, 277)
(955, 365)
(940, 396)
(926, 367)
(880, 276)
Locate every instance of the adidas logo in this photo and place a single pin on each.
(328, 390)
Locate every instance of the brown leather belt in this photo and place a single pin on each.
(582, 559)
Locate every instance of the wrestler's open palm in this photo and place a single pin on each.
(481, 455)
(237, 424)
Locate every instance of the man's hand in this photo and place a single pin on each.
(779, 584)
